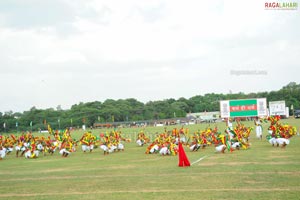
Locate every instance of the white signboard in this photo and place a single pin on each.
(262, 107)
(287, 112)
(224, 109)
(243, 108)
(277, 108)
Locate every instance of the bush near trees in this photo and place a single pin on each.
(132, 110)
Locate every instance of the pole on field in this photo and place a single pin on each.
(4, 126)
(58, 123)
(30, 126)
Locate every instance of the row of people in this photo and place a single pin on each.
(279, 134)
(28, 146)
(232, 138)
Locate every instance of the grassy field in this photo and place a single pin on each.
(261, 172)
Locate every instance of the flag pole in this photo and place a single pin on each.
(4, 126)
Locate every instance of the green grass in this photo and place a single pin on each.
(261, 172)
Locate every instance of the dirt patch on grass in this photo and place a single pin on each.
(38, 178)
(122, 167)
(214, 157)
(227, 163)
(280, 163)
(5, 172)
(153, 191)
(278, 156)
(97, 159)
(45, 161)
(55, 170)
(246, 163)
(251, 182)
(195, 175)
(150, 159)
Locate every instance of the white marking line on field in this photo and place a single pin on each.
(199, 160)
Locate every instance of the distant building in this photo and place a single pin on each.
(204, 116)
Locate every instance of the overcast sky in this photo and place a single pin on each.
(62, 52)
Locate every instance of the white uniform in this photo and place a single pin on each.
(272, 141)
(139, 142)
(104, 147)
(28, 154)
(9, 149)
(120, 146)
(229, 124)
(281, 141)
(164, 151)
(62, 151)
(182, 139)
(20, 148)
(258, 129)
(154, 148)
(2, 153)
(86, 147)
(112, 148)
(195, 147)
(220, 147)
(236, 145)
(40, 147)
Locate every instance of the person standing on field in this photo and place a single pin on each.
(258, 128)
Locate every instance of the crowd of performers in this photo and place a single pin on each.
(28, 146)
(166, 143)
(279, 134)
(231, 139)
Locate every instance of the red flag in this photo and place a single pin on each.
(183, 160)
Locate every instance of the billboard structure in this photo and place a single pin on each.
(244, 108)
(277, 108)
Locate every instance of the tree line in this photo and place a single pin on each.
(130, 109)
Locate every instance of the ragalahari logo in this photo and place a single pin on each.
(281, 5)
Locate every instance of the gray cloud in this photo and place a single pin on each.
(35, 13)
(64, 52)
